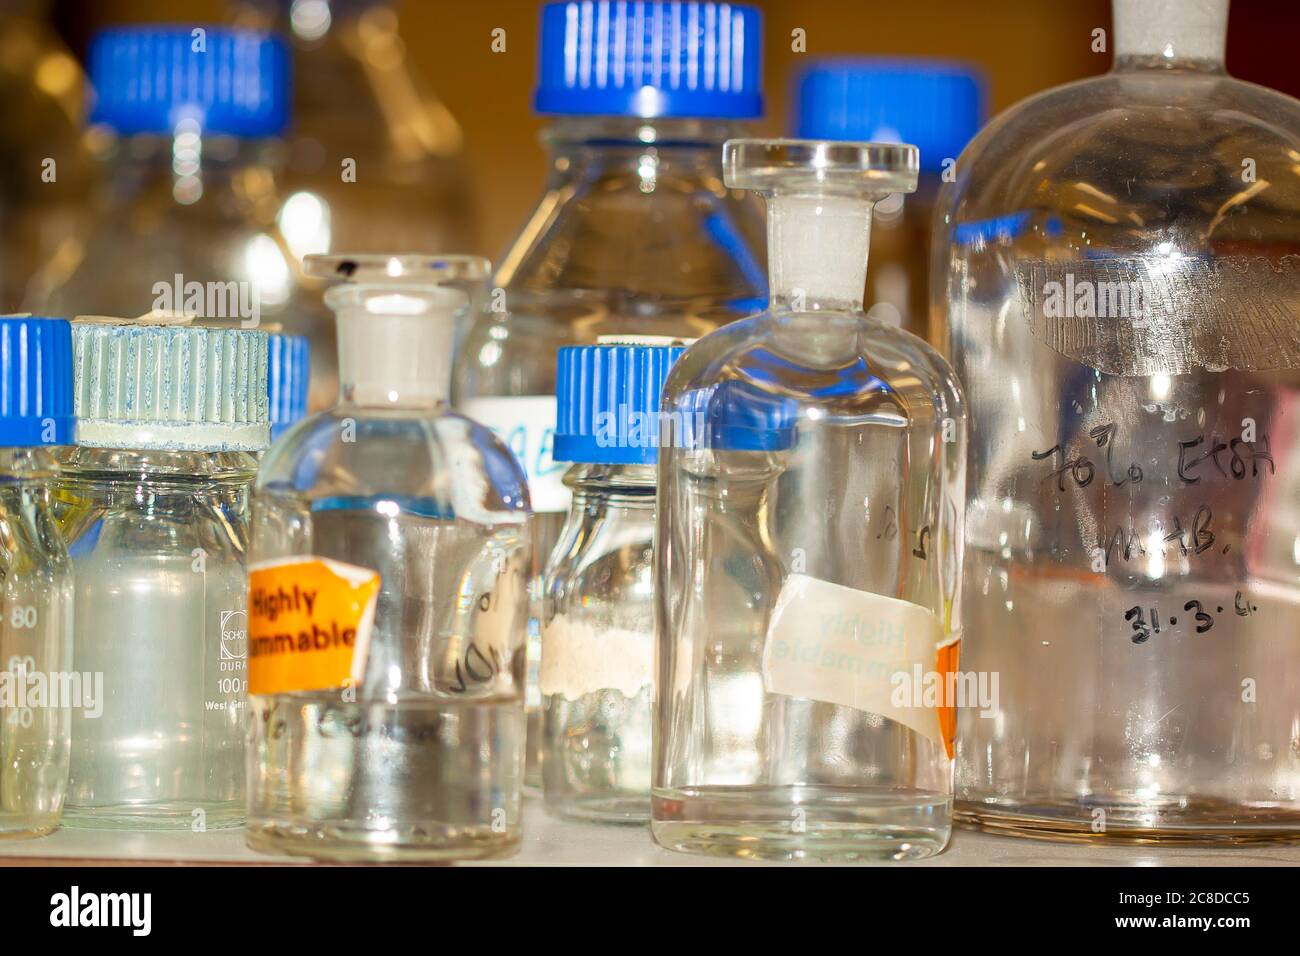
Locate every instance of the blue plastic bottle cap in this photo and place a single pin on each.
(36, 393)
(287, 380)
(150, 79)
(651, 59)
(934, 104)
(607, 403)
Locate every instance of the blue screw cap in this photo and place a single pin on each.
(607, 402)
(651, 59)
(936, 105)
(36, 390)
(149, 79)
(287, 380)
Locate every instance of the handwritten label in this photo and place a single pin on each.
(309, 624)
(526, 425)
(843, 646)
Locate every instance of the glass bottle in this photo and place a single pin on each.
(635, 233)
(936, 105)
(1117, 263)
(809, 546)
(407, 524)
(153, 501)
(598, 631)
(361, 107)
(38, 688)
(186, 139)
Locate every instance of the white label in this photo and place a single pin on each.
(578, 659)
(843, 646)
(526, 424)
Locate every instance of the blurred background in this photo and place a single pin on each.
(477, 116)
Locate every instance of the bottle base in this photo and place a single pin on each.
(1188, 823)
(802, 823)
(29, 831)
(613, 810)
(155, 816)
(428, 844)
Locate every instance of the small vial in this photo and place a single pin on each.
(154, 504)
(598, 628)
(389, 595)
(35, 578)
(808, 548)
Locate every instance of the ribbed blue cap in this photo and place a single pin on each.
(35, 382)
(148, 79)
(607, 402)
(651, 59)
(937, 106)
(287, 379)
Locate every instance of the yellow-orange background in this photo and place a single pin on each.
(1023, 45)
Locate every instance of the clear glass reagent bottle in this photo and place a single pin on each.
(389, 595)
(809, 547)
(1118, 261)
(38, 687)
(154, 504)
(635, 234)
(598, 627)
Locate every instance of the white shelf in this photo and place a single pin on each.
(555, 843)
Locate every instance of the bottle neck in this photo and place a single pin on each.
(1170, 34)
(586, 145)
(27, 462)
(190, 167)
(817, 250)
(612, 486)
(395, 344)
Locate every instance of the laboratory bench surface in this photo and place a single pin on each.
(549, 842)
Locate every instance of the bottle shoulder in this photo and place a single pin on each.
(436, 455)
(664, 242)
(1133, 155)
(831, 362)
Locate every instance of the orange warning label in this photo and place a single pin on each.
(309, 624)
(948, 656)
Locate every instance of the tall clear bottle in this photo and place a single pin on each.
(389, 595)
(635, 232)
(1117, 262)
(153, 501)
(35, 578)
(809, 546)
(185, 133)
(598, 631)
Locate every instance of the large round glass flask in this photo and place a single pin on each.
(1117, 262)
